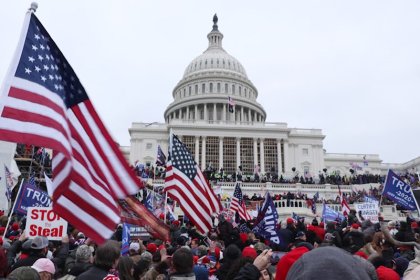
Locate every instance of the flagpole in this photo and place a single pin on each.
(164, 210)
(13, 207)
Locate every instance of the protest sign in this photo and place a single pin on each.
(369, 210)
(43, 221)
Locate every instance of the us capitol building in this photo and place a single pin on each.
(200, 116)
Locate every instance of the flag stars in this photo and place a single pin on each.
(35, 48)
(31, 59)
(28, 71)
(42, 47)
(46, 67)
(37, 36)
(43, 78)
(37, 69)
(40, 57)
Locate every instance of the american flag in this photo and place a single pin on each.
(43, 103)
(345, 209)
(231, 104)
(238, 204)
(186, 184)
(161, 158)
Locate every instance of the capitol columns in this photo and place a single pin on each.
(206, 117)
(255, 152)
(286, 154)
(220, 152)
(203, 152)
(242, 114)
(238, 151)
(224, 113)
(197, 149)
(188, 113)
(262, 161)
(195, 113)
(214, 112)
(279, 164)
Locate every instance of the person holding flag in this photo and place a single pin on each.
(345, 208)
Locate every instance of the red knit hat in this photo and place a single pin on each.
(175, 223)
(414, 225)
(289, 221)
(162, 216)
(195, 259)
(249, 252)
(287, 261)
(355, 226)
(151, 247)
(15, 226)
(361, 254)
(385, 273)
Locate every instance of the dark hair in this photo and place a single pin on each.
(125, 264)
(182, 260)
(107, 254)
(140, 268)
(236, 266)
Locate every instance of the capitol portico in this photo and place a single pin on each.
(217, 137)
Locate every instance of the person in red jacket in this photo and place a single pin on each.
(288, 260)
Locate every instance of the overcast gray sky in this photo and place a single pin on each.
(350, 68)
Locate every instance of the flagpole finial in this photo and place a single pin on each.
(34, 6)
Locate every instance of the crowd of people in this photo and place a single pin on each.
(352, 249)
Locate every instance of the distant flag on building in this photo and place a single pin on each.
(11, 181)
(345, 209)
(43, 103)
(231, 104)
(161, 158)
(185, 183)
(365, 162)
(316, 197)
(237, 204)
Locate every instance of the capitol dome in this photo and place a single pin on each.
(208, 82)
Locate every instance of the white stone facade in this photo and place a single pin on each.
(200, 116)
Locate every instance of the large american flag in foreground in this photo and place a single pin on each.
(43, 103)
(186, 184)
(238, 204)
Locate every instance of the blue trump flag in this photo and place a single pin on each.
(399, 192)
(266, 223)
(328, 214)
(31, 196)
(149, 201)
(125, 244)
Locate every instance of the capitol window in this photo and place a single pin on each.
(149, 146)
(196, 89)
(233, 89)
(189, 90)
(226, 88)
(203, 88)
(211, 87)
(305, 152)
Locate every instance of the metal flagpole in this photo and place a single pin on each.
(13, 207)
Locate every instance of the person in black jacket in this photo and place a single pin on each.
(106, 258)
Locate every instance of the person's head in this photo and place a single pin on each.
(39, 245)
(182, 260)
(24, 273)
(265, 275)
(45, 268)
(125, 268)
(134, 249)
(194, 243)
(107, 255)
(301, 236)
(84, 254)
